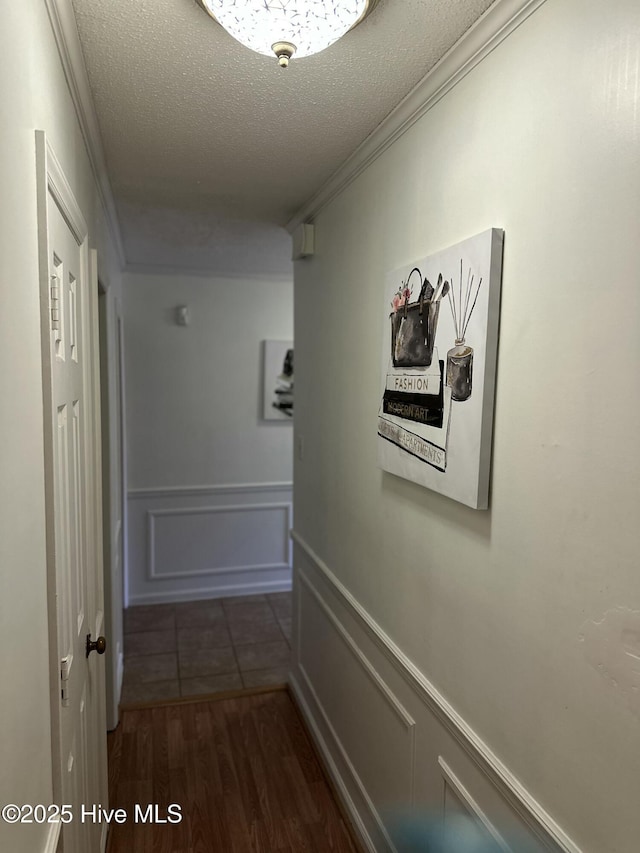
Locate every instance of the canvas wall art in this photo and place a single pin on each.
(440, 344)
(277, 381)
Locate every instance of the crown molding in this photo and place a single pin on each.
(65, 31)
(492, 28)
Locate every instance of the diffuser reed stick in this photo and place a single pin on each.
(460, 358)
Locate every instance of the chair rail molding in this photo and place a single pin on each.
(191, 491)
(510, 790)
(492, 28)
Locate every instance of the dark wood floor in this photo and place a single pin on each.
(242, 769)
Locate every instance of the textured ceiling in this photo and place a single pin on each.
(211, 147)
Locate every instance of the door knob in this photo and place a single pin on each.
(99, 645)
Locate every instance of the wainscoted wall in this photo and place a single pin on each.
(194, 429)
(209, 541)
(525, 616)
(393, 744)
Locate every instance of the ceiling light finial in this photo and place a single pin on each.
(285, 27)
(284, 50)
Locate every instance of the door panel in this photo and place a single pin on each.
(73, 508)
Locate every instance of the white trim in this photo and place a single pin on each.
(151, 514)
(479, 41)
(331, 767)
(65, 32)
(376, 679)
(51, 182)
(53, 838)
(474, 809)
(103, 837)
(258, 588)
(196, 491)
(538, 820)
(383, 688)
(119, 674)
(61, 191)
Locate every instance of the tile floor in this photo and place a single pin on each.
(199, 647)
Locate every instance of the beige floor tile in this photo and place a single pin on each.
(192, 614)
(265, 677)
(263, 656)
(153, 692)
(257, 611)
(285, 627)
(152, 617)
(281, 602)
(195, 664)
(210, 684)
(245, 632)
(147, 668)
(149, 642)
(233, 600)
(213, 636)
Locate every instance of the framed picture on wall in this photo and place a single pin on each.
(440, 344)
(277, 381)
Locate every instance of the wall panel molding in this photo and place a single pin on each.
(234, 509)
(520, 801)
(383, 688)
(336, 774)
(208, 541)
(451, 780)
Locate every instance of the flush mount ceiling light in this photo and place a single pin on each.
(288, 27)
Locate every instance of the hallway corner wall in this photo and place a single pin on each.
(210, 492)
(455, 659)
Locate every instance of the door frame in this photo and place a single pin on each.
(112, 402)
(50, 180)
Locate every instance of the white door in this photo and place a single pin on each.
(73, 508)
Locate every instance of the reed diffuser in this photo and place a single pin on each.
(460, 357)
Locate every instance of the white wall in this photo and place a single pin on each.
(489, 610)
(33, 95)
(193, 420)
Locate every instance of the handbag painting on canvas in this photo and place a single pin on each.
(439, 360)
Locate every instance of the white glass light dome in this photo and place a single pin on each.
(287, 27)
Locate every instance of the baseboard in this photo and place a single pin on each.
(263, 588)
(337, 778)
(417, 691)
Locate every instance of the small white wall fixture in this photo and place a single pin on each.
(182, 315)
(302, 241)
